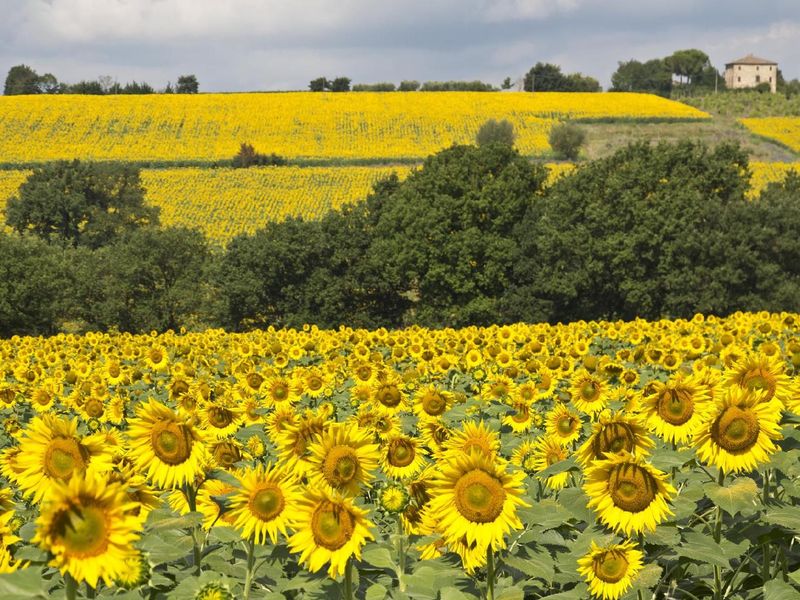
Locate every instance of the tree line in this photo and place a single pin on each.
(474, 236)
(22, 79)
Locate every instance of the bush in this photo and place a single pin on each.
(496, 132)
(408, 86)
(374, 87)
(248, 157)
(566, 140)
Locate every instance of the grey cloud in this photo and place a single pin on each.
(277, 44)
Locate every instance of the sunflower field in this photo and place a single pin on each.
(594, 459)
(785, 130)
(360, 125)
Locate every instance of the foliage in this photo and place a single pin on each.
(374, 87)
(651, 231)
(748, 103)
(457, 86)
(547, 77)
(34, 277)
(496, 132)
(653, 76)
(248, 157)
(187, 84)
(566, 140)
(320, 84)
(22, 79)
(340, 84)
(408, 85)
(148, 280)
(80, 203)
(297, 125)
(443, 236)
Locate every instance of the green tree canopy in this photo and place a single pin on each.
(80, 203)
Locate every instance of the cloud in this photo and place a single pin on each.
(279, 44)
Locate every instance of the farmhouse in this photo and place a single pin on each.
(750, 71)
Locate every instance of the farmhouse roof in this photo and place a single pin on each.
(752, 60)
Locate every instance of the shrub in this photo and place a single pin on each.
(566, 140)
(248, 157)
(409, 86)
(496, 132)
(374, 87)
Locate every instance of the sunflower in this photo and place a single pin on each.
(588, 392)
(524, 456)
(387, 392)
(166, 446)
(674, 410)
(343, 459)
(88, 528)
(547, 452)
(280, 391)
(210, 503)
(563, 423)
(329, 528)
(265, 503)
(278, 420)
(614, 433)
(295, 440)
(485, 497)
(431, 403)
(419, 491)
(401, 457)
(498, 389)
(761, 372)
(43, 396)
(611, 570)
(157, 358)
(627, 493)
(522, 418)
(739, 434)
(220, 419)
(52, 450)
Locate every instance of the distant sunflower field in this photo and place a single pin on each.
(785, 130)
(593, 459)
(362, 125)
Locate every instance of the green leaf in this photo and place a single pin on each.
(540, 565)
(574, 500)
(545, 514)
(741, 495)
(666, 458)
(704, 549)
(559, 467)
(25, 584)
(647, 578)
(378, 557)
(785, 516)
(453, 593)
(512, 593)
(579, 592)
(376, 592)
(777, 589)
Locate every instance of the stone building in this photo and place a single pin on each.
(750, 71)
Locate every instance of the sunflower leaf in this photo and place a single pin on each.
(559, 467)
(741, 495)
(22, 585)
(785, 516)
(777, 589)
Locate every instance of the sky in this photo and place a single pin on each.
(247, 45)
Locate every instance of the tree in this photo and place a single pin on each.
(87, 87)
(320, 84)
(688, 64)
(21, 79)
(544, 77)
(566, 140)
(32, 287)
(496, 132)
(653, 76)
(506, 85)
(578, 82)
(187, 84)
(80, 203)
(442, 238)
(408, 86)
(148, 279)
(649, 232)
(340, 84)
(169, 89)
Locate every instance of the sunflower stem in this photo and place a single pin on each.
(765, 498)
(191, 497)
(251, 561)
(489, 573)
(70, 587)
(348, 579)
(401, 556)
(717, 536)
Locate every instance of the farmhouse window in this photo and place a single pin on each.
(758, 78)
